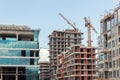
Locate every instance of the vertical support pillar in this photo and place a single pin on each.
(16, 76)
(86, 77)
(34, 53)
(85, 62)
(17, 36)
(93, 58)
(1, 75)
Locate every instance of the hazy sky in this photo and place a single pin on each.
(43, 14)
(44, 55)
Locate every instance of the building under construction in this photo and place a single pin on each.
(59, 41)
(109, 46)
(44, 70)
(78, 63)
(19, 53)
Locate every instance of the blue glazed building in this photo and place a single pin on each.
(19, 53)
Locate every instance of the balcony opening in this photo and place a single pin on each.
(81, 50)
(82, 55)
(82, 78)
(89, 72)
(82, 67)
(21, 72)
(89, 67)
(25, 37)
(88, 50)
(8, 73)
(89, 78)
(8, 36)
(89, 56)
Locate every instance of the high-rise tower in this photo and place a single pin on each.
(109, 46)
(59, 41)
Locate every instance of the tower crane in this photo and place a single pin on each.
(73, 25)
(89, 26)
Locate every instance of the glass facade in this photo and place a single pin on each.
(32, 73)
(18, 44)
(17, 53)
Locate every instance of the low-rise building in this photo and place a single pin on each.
(78, 63)
(44, 70)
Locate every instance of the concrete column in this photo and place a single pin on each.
(17, 36)
(34, 53)
(1, 76)
(16, 76)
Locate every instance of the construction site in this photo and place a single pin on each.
(69, 59)
(109, 46)
(78, 63)
(59, 41)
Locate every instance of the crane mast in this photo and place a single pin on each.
(89, 25)
(73, 25)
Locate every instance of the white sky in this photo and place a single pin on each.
(44, 54)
